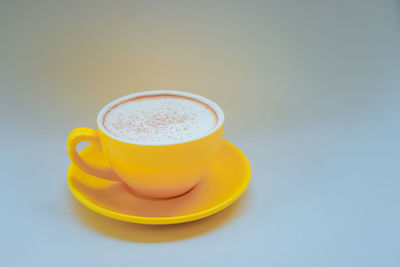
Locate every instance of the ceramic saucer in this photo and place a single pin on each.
(228, 179)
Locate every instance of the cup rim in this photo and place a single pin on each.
(210, 103)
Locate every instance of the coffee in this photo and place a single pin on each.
(160, 119)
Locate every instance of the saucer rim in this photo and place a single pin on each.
(167, 220)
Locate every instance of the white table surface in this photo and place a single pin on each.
(311, 94)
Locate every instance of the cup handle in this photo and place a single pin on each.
(89, 135)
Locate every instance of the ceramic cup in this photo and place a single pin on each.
(158, 171)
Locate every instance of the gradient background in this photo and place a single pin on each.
(311, 94)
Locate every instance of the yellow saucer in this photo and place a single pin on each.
(228, 179)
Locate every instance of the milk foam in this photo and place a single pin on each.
(159, 120)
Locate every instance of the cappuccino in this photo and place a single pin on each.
(160, 119)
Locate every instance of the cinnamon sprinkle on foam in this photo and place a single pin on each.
(163, 119)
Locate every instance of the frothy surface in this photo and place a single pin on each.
(163, 119)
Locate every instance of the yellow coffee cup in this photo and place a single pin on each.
(153, 170)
